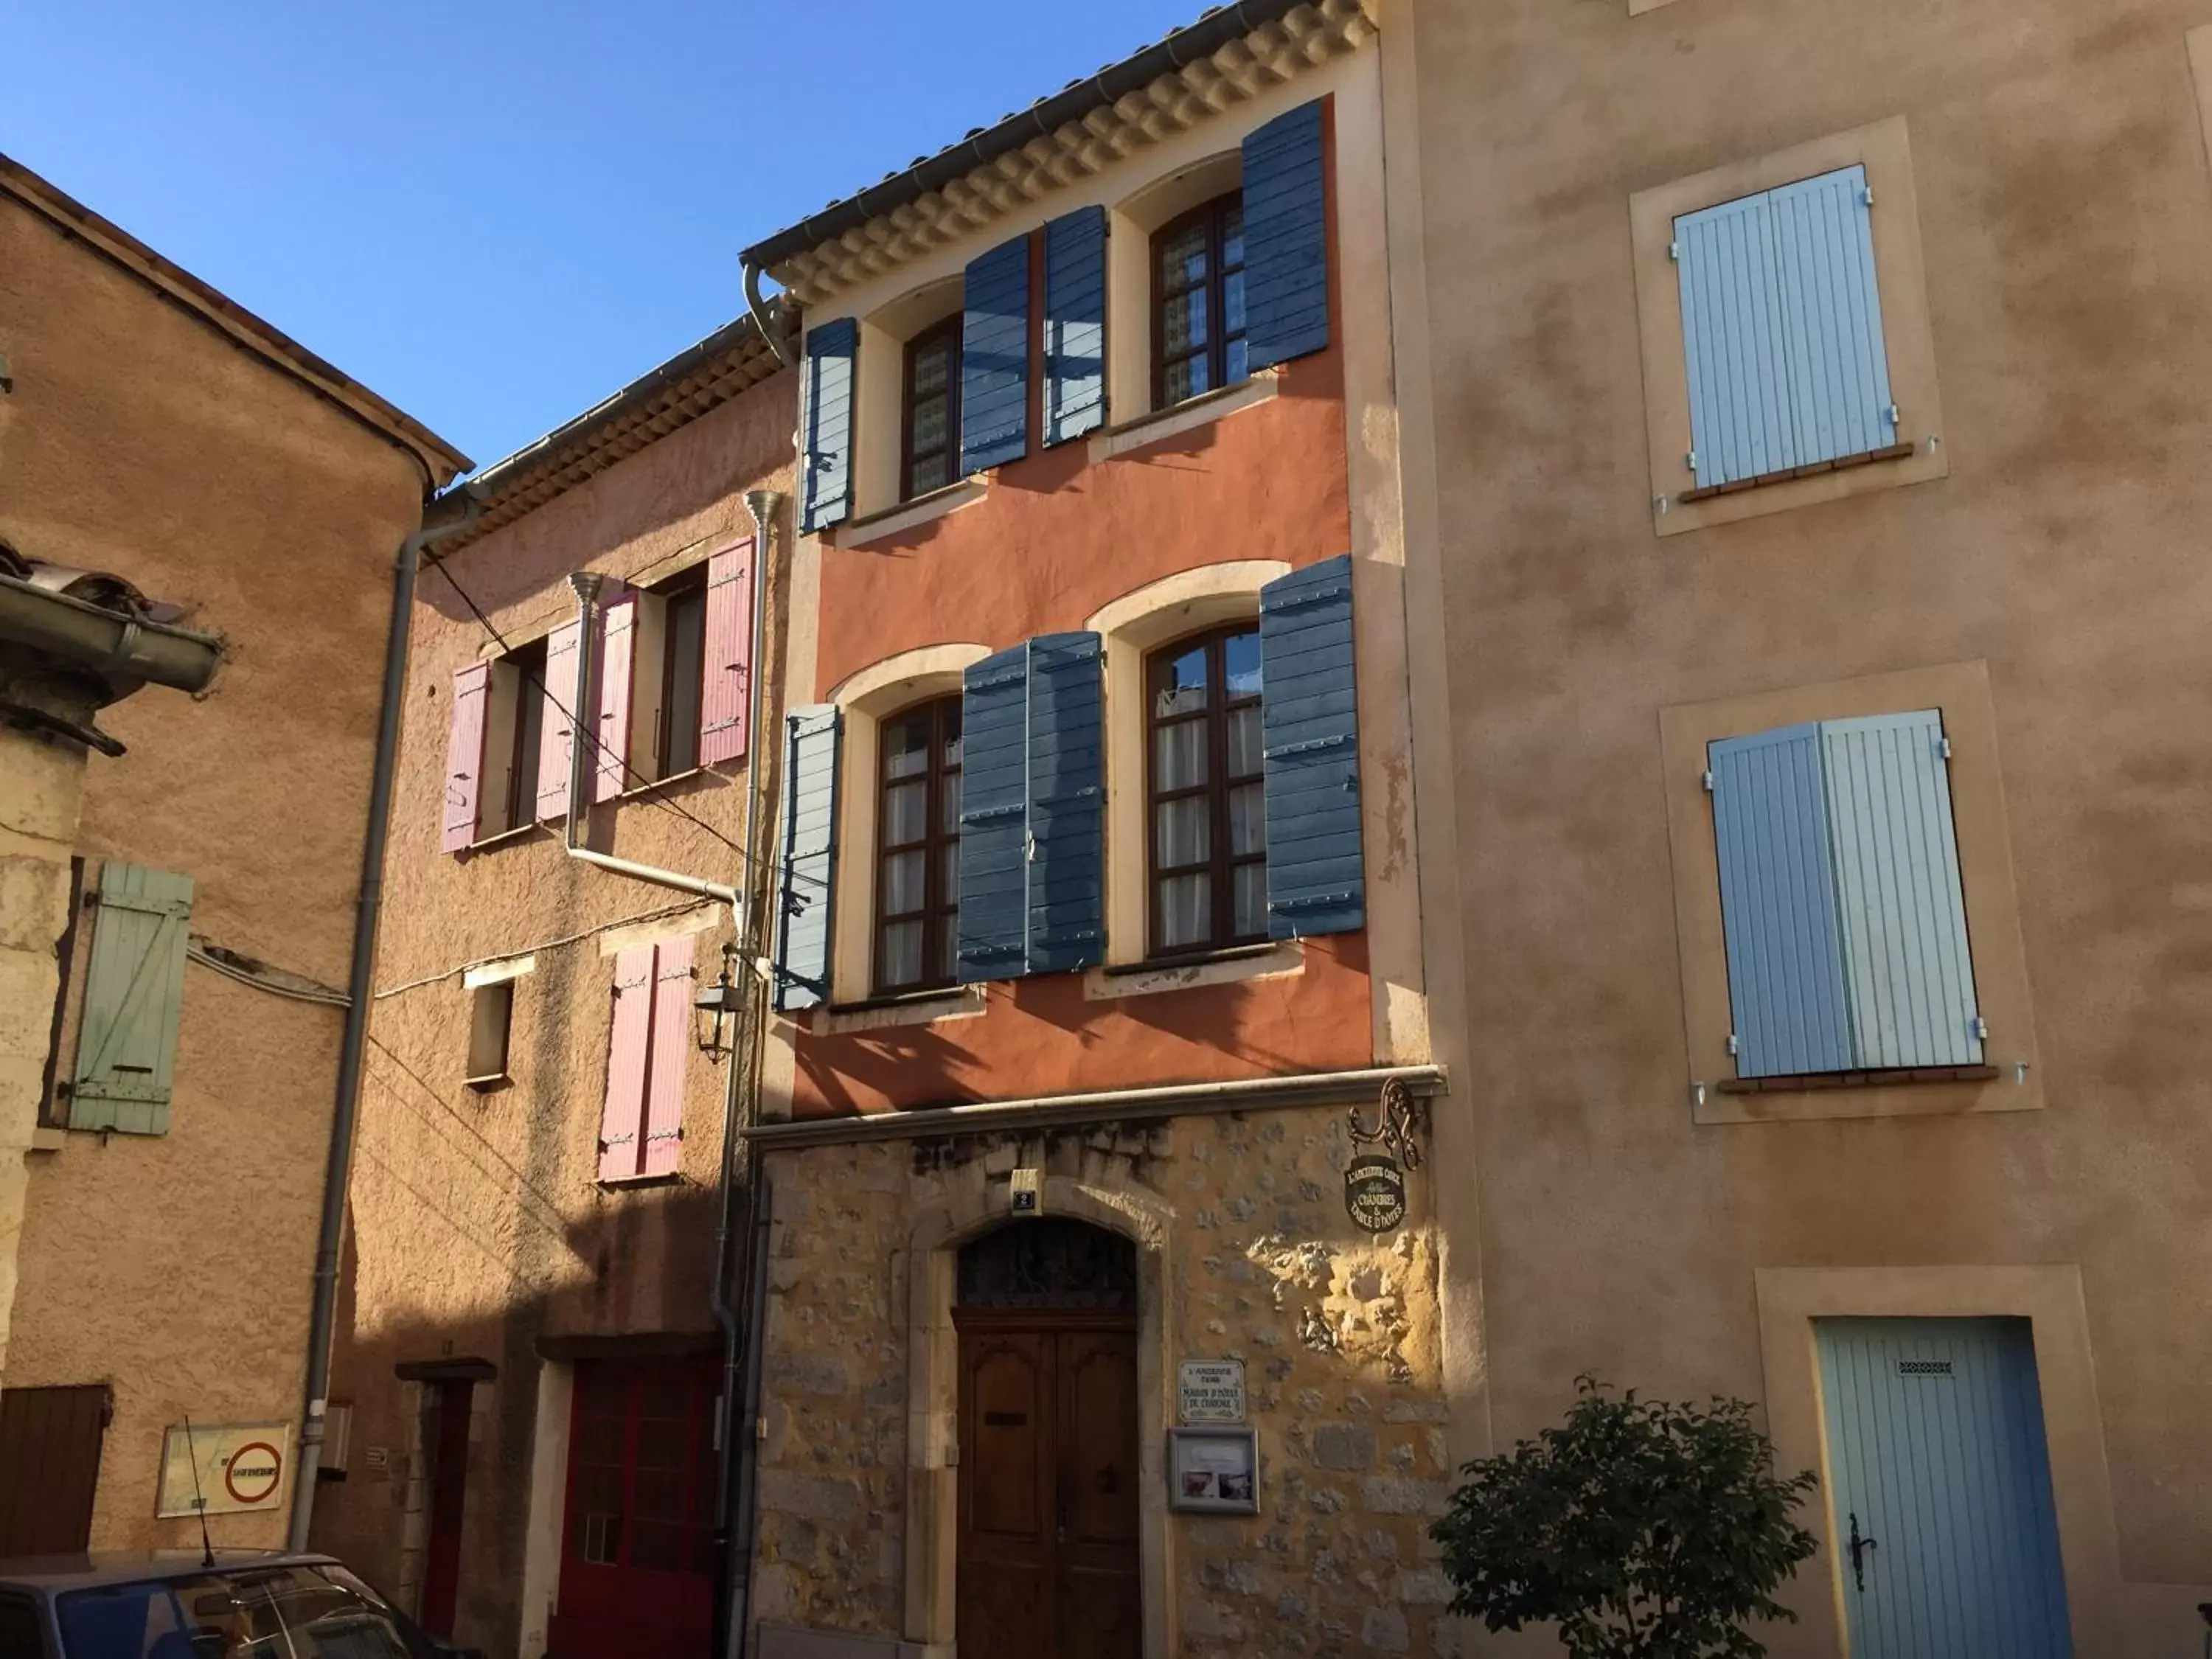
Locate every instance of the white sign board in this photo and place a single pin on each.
(240, 1469)
(1211, 1390)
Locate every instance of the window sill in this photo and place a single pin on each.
(644, 789)
(506, 837)
(634, 1183)
(485, 1085)
(1810, 1082)
(1185, 416)
(47, 1138)
(909, 516)
(1230, 967)
(911, 1008)
(1904, 452)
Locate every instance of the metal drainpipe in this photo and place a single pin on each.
(734, 1438)
(337, 1172)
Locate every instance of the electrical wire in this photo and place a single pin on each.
(638, 919)
(770, 868)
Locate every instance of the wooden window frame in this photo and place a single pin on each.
(528, 662)
(940, 911)
(1213, 213)
(1221, 864)
(948, 330)
(689, 589)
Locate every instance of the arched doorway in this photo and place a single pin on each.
(1045, 1312)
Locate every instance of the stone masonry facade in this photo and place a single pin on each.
(1254, 1258)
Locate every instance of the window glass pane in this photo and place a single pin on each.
(1178, 683)
(932, 473)
(528, 732)
(1181, 833)
(1247, 824)
(899, 960)
(326, 1620)
(1251, 881)
(1183, 257)
(1240, 655)
(905, 807)
(904, 874)
(932, 360)
(906, 745)
(947, 967)
(1240, 362)
(928, 426)
(1244, 749)
(949, 729)
(1232, 234)
(1186, 911)
(949, 877)
(1183, 325)
(1179, 755)
(1183, 379)
(125, 1621)
(949, 814)
(1232, 303)
(687, 660)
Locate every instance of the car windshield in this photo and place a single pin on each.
(258, 1612)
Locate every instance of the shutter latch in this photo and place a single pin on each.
(1733, 1049)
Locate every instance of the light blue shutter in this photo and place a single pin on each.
(1074, 324)
(1740, 423)
(994, 358)
(1285, 238)
(1823, 235)
(1907, 969)
(1309, 734)
(804, 912)
(1067, 864)
(133, 995)
(1778, 904)
(830, 350)
(993, 930)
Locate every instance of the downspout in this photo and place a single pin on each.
(736, 1443)
(337, 1171)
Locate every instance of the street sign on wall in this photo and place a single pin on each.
(240, 1468)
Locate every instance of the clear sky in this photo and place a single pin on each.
(495, 212)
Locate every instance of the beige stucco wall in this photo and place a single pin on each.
(139, 439)
(1246, 1253)
(478, 1227)
(2065, 217)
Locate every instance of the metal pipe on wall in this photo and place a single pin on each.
(337, 1173)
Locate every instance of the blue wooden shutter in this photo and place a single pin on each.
(1741, 424)
(1285, 238)
(1823, 235)
(831, 349)
(133, 994)
(1074, 325)
(1309, 766)
(1066, 795)
(993, 930)
(803, 910)
(994, 358)
(1778, 904)
(1907, 969)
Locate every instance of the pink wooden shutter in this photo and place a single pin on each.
(464, 755)
(622, 1124)
(726, 703)
(554, 736)
(617, 657)
(671, 1043)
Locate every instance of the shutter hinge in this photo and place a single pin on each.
(1733, 1047)
(1675, 251)
(1943, 747)
(1981, 1028)
(1866, 194)
(1706, 778)
(1896, 416)
(1691, 459)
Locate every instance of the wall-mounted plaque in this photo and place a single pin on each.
(1211, 1390)
(1213, 1471)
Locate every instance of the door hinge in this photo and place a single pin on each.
(1733, 1047)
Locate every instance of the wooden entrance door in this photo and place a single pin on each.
(49, 1467)
(1047, 1565)
(447, 1435)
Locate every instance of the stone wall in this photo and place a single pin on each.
(1254, 1259)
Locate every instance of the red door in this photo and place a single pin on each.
(637, 1550)
(448, 1438)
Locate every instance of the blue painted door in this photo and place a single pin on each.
(1939, 1485)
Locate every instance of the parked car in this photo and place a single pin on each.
(245, 1604)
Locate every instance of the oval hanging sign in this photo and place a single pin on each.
(1374, 1193)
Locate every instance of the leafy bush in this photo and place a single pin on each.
(1645, 1530)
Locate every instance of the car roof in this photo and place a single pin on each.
(92, 1570)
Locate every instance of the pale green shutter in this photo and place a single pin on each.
(127, 1045)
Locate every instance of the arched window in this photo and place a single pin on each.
(918, 848)
(1198, 301)
(1209, 845)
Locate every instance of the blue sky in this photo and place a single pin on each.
(495, 212)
